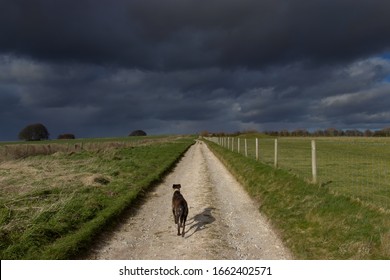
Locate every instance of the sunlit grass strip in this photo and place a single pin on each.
(54, 205)
(313, 222)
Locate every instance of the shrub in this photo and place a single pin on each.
(138, 133)
(66, 136)
(34, 132)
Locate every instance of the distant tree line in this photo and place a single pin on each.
(206, 133)
(66, 136)
(38, 132)
(329, 132)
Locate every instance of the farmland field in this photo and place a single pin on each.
(55, 196)
(356, 167)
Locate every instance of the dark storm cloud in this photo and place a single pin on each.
(83, 98)
(116, 98)
(104, 68)
(172, 34)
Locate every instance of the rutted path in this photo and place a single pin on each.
(223, 221)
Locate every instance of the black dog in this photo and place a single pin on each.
(179, 209)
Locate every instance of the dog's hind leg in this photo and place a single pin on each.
(175, 219)
(178, 227)
(184, 226)
(179, 218)
(183, 219)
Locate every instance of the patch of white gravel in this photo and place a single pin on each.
(223, 221)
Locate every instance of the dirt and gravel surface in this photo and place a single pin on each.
(223, 221)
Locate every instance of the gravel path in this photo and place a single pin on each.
(223, 222)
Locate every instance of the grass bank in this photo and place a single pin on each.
(312, 221)
(51, 206)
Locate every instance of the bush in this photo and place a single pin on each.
(34, 132)
(138, 133)
(66, 136)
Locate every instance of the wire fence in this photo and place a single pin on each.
(357, 167)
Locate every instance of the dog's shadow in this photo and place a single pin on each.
(200, 221)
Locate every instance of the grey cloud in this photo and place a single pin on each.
(374, 101)
(77, 96)
(172, 35)
(185, 66)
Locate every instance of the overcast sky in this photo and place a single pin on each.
(101, 68)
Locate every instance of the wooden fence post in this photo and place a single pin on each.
(257, 149)
(246, 148)
(276, 154)
(232, 144)
(238, 145)
(314, 161)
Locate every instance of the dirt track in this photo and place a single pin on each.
(223, 222)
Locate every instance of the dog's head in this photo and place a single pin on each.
(176, 186)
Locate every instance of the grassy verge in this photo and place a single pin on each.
(51, 206)
(313, 222)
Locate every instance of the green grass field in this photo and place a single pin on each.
(55, 197)
(358, 167)
(52, 203)
(313, 221)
